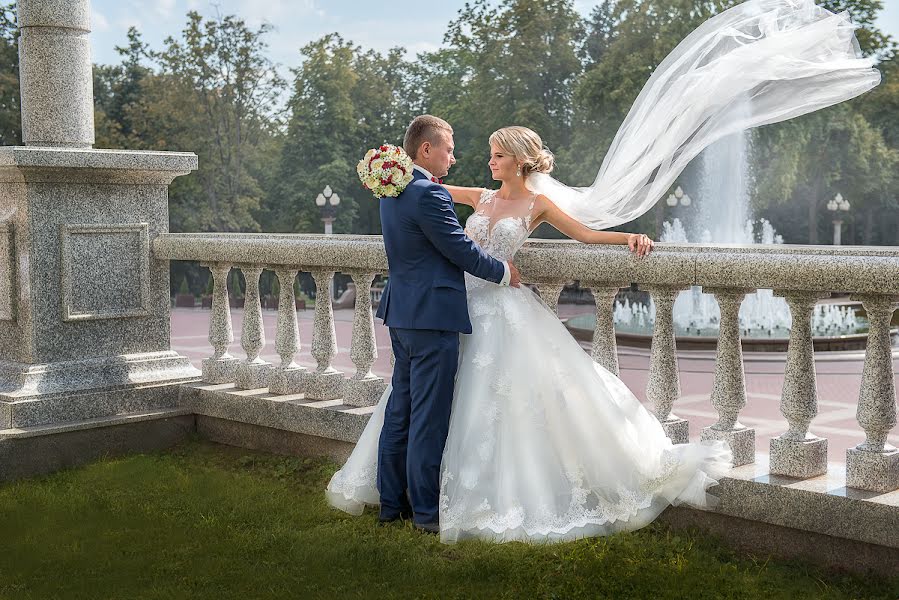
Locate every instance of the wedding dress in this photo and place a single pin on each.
(543, 444)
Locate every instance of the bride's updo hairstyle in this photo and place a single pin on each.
(527, 148)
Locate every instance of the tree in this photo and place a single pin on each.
(810, 159)
(117, 90)
(344, 101)
(511, 64)
(881, 105)
(10, 111)
(216, 93)
(864, 14)
(850, 148)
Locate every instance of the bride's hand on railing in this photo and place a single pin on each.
(640, 244)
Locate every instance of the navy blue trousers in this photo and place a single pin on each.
(416, 422)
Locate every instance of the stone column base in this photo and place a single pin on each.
(677, 430)
(799, 458)
(872, 471)
(83, 405)
(253, 376)
(741, 442)
(220, 370)
(363, 392)
(287, 381)
(20, 380)
(327, 385)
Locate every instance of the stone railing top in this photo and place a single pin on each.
(781, 267)
(86, 158)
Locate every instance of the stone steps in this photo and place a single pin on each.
(94, 423)
(61, 408)
(331, 419)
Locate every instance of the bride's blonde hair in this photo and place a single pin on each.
(527, 148)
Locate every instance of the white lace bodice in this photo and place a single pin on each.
(500, 228)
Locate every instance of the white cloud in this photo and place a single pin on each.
(99, 22)
(125, 23)
(417, 48)
(165, 8)
(284, 13)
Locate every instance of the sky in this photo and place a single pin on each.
(297, 22)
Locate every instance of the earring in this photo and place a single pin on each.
(518, 173)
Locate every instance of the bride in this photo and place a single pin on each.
(544, 444)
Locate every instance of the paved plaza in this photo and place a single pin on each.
(839, 375)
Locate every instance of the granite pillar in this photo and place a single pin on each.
(288, 377)
(364, 388)
(605, 347)
(729, 387)
(84, 305)
(663, 387)
(874, 464)
(221, 367)
(799, 453)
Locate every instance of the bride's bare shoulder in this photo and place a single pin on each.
(471, 196)
(542, 203)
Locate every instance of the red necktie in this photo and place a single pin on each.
(435, 180)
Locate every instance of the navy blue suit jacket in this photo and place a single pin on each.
(427, 255)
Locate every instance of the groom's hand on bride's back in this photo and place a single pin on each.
(515, 281)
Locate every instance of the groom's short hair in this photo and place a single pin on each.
(424, 128)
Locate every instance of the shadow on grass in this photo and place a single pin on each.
(210, 521)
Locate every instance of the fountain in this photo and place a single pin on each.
(765, 319)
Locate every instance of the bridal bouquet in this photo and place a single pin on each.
(386, 171)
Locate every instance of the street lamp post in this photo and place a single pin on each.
(678, 197)
(838, 206)
(327, 203)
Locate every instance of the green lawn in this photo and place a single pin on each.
(209, 521)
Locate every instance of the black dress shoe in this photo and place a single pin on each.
(403, 515)
(428, 527)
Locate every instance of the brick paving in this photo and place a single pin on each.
(839, 375)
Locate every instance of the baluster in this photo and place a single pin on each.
(326, 382)
(549, 293)
(254, 373)
(364, 388)
(874, 465)
(605, 348)
(797, 452)
(663, 387)
(288, 377)
(729, 387)
(221, 367)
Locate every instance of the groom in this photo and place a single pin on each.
(425, 307)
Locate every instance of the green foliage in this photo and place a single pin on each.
(10, 115)
(515, 63)
(276, 286)
(210, 521)
(864, 14)
(345, 101)
(213, 92)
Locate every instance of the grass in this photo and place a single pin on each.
(210, 521)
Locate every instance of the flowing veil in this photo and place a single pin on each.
(760, 62)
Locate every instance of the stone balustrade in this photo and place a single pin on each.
(287, 255)
(801, 274)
